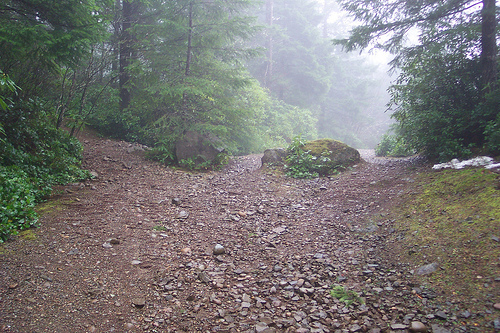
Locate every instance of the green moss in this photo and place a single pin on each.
(318, 147)
(450, 218)
(53, 206)
(28, 234)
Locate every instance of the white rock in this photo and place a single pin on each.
(219, 249)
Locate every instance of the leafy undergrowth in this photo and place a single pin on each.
(453, 218)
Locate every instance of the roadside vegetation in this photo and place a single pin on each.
(452, 218)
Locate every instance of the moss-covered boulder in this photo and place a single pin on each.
(275, 155)
(334, 155)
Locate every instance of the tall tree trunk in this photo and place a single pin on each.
(189, 55)
(117, 26)
(269, 43)
(126, 46)
(190, 39)
(488, 45)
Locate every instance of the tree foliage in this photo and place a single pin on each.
(442, 99)
(39, 41)
(302, 68)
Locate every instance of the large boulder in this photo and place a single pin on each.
(198, 147)
(339, 155)
(275, 155)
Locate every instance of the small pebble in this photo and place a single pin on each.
(417, 327)
(218, 249)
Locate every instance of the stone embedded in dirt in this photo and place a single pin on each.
(136, 262)
(318, 256)
(46, 278)
(417, 327)
(439, 329)
(203, 277)
(114, 241)
(245, 305)
(176, 201)
(399, 326)
(73, 251)
(496, 306)
(186, 250)
(95, 291)
(139, 302)
(129, 326)
(261, 327)
(246, 298)
(441, 315)
(182, 215)
(107, 245)
(218, 249)
(496, 324)
(465, 314)
(355, 328)
(279, 230)
(427, 269)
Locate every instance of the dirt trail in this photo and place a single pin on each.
(132, 250)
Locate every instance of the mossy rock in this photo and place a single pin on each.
(341, 155)
(276, 155)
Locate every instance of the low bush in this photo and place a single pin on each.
(347, 296)
(34, 156)
(492, 135)
(17, 202)
(394, 146)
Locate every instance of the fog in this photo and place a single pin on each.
(346, 92)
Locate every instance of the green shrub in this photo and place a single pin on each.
(17, 200)
(385, 146)
(492, 135)
(216, 164)
(34, 156)
(394, 146)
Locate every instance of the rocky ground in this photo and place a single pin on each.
(133, 250)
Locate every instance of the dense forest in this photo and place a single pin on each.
(254, 74)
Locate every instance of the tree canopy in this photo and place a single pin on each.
(444, 100)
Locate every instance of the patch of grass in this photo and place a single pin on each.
(160, 228)
(346, 296)
(450, 218)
